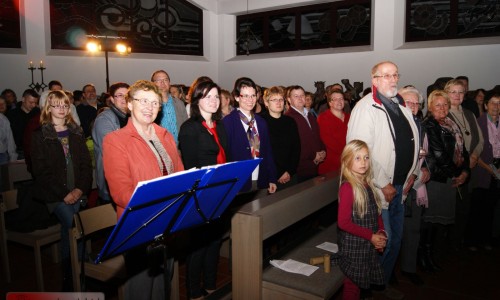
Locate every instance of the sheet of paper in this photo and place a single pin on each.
(294, 266)
(334, 248)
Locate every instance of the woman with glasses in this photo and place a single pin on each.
(448, 163)
(62, 168)
(203, 142)
(142, 150)
(284, 137)
(473, 140)
(333, 130)
(248, 137)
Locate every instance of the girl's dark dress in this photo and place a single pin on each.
(359, 260)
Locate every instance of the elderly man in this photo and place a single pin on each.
(387, 126)
(173, 111)
(21, 115)
(112, 119)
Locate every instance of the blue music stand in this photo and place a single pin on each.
(172, 203)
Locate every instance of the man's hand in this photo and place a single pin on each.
(425, 176)
(320, 157)
(284, 178)
(272, 188)
(409, 184)
(389, 192)
(473, 161)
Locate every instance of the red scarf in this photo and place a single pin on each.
(221, 156)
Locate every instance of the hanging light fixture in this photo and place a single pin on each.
(248, 40)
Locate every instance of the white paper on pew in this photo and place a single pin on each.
(294, 266)
(329, 247)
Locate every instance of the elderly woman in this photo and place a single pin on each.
(333, 130)
(61, 167)
(284, 136)
(248, 137)
(448, 163)
(142, 150)
(473, 140)
(485, 181)
(203, 142)
(416, 199)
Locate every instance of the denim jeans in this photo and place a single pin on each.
(4, 158)
(64, 213)
(393, 222)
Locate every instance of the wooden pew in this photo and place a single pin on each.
(262, 218)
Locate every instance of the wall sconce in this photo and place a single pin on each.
(97, 43)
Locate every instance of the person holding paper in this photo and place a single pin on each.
(203, 142)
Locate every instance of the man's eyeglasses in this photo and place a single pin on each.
(389, 76)
(456, 92)
(277, 100)
(248, 97)
(60, 106)
(119, 96)
(164, 80)
(146, 102)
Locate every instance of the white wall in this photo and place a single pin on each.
(419, 63)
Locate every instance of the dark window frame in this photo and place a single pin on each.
(263, 20)
(10, 32)
(158, 40)
(446, 20)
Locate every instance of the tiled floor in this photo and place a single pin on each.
(466, 275)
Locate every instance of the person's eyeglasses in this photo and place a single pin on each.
(248, 97)
(164, 80)
(277, 100)
(146, 102)
(119, 96)
(389, 76)
(415, 104)
(60, 106)
(456, 92)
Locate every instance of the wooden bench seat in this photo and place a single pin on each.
(320, 285)
(263, 218)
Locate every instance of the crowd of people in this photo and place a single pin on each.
(412, 186)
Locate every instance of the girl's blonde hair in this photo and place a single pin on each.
(359, 185)
(56, 98)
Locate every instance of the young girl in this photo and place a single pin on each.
(362, 236)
